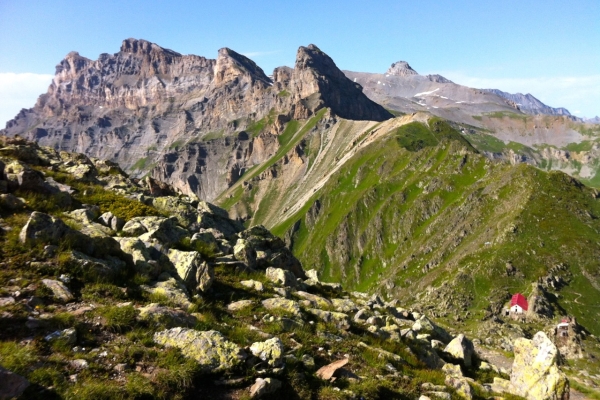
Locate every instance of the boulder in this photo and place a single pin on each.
(183, 211)
(172, 290)
(43, 228)
(252, 284)
(168, 317)
(316, 301)
(326, 372)
(59, 290)
(238, 305)
(424, 325)
(112, 221)
(270, 350)
(461, 385)
(94, 269)
(265, 386)
(209, 348)
(344, 305)
(11, 203)
(280, 276)
(165, 230)
(277, 303)
(213, 217)
(535, 374)
(461, 348)
(340, 320)
(145, 260)
(11, 385)
(242, 251)
(197, 274)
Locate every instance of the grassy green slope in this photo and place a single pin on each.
(420, 208)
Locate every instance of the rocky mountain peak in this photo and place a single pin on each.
(144, 47)
(231, 65)
(318, 82)
(401, 68)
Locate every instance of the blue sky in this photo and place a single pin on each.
(549, 48)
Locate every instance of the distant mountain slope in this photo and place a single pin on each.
(529, 104)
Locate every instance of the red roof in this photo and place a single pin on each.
(519, 300)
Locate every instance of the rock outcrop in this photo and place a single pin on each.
(535, 374)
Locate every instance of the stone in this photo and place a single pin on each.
(183, 211)
(69, 336)
(165, 230)
(535, 373)
(327, 372)
(280, 276)
(308, 361)
(145, 259)
(79, 364)
(197, 275)
(243, 252)
(452, 370)
(59, 290)
(344, 305)
(169, 317)
(112, 221)
(270, 350)
(461, 348)
(172, 289)
(11, 202)
(209, 348)
(425, 325)
(340, 320)
(5, 301)
(42, 228)
(11, 385)
(95, 269)
(315, 301)
(461, 385)
(254, 285)
(265, 386)
(275, 303)
(313, 274)
(238, 305)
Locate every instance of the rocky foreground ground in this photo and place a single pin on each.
(118, 288)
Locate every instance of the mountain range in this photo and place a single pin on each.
(412, 187)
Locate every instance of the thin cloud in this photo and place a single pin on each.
(20, 90)
(579, 94)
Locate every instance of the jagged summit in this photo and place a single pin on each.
(231, 64)
(401, 68)
(141, 46)
(318, 82)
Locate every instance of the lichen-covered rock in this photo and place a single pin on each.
(172, 289)
(196, 274)
(59, 290)
(452, 370)
(316, 301)
(112, 221)
(265, 386)
(426, 354)
(213, 217)
(165, 230)
(243, 252)
(145, 260)
(270, 350)
(168, 317)
(185, 213)
(425, 325)
(282, 304)
(238, 305)
(340, 320)
(344, 305)
(43, 228)
(461, 385)
(535, 374)
(462, 348)
(252, 284)
(95, 269)
(213, 352)
(280, 276)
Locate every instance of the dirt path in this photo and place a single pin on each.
(501, 361)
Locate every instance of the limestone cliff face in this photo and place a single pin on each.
(194, 122)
